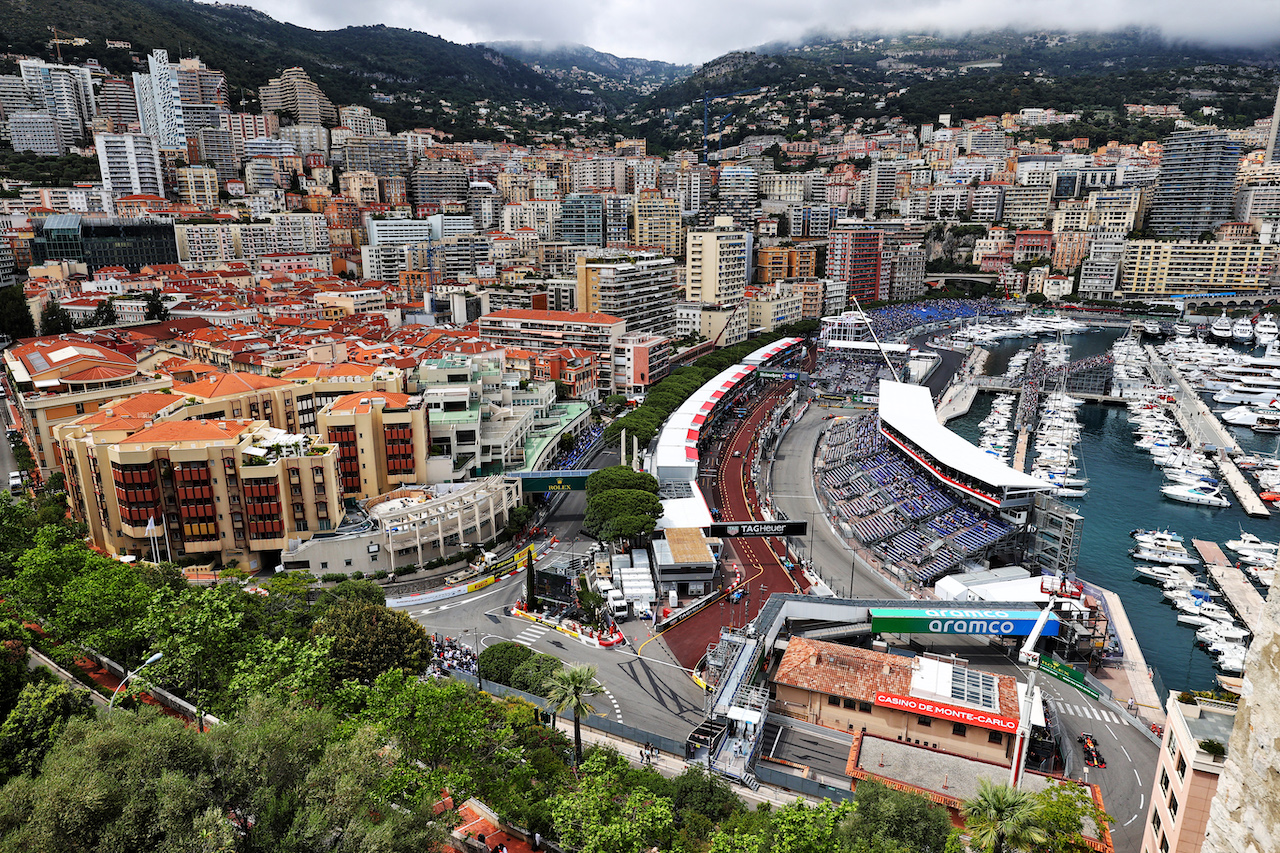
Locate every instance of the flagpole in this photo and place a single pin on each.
(168, 553)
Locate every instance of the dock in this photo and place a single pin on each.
(1249, 500)
(1020, 453)
(1245, 599)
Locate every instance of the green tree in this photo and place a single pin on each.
(500, 661)
(283, 668)
(532, 675)
(801, 828)
(15, 645)
(15, 317)
(1065, 812)
(102, 608)
(606, 813)
(1036, 299)
(897, 818)
(569, 689)
(103, 315)
(360, 591)
(370, 639)
(34, 725)
(128, 781)
(46, 568)
(620, 477)
(157, 311)
(1000, 819)
(54, 319)
(566, 442)
(616, 504)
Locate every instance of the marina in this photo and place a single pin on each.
(1245, 599)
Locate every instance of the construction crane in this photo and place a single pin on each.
(727, 320)
(706, 114)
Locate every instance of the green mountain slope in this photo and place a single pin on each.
(349, 64)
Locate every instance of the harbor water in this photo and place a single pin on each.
(1124, 493)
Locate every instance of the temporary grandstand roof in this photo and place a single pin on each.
(869, 346)
(765, 353)
(909, 410)
(676, 456)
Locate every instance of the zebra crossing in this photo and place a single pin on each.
(531, 635)
(1085, 712)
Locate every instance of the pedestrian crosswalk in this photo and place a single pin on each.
(1085, 712)
(531, 635)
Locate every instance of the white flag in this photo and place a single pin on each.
(151, 525)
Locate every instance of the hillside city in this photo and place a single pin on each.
(584, 484)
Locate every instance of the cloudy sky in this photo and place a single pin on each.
(694, 31)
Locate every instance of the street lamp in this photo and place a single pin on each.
(129, 675)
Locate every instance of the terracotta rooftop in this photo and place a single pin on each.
(363, 401)
(189, 431)
(844, 671)
(226, 384)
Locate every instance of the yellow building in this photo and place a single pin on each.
(657, 223)
(1153, 268)
(382, 442)
(198, 185)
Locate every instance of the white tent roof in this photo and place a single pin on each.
(909, 410)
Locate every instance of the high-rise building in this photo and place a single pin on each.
(37, 132)
(361, 122)
(216, 147)
(116, 100)
(657, 222)
(1195, 192)
(65, 92)
(130, 164)
(853, 256)
(437, 181)
(246, 126)
(582, 219)
(717, 264)
(295, 94)
(160, 101)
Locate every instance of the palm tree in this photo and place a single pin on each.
(569, 688)
(1001, 819)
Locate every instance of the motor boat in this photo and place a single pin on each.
(1232, 661)
(1251, 416)
(1249, 542)
(1198, 495)
(1204, 607)
(1160, 540)
(1266, 331)
(1220, 329)
(1189, 478)
(1152, 328)
(1242, 331)
(1165, 556)
(1161, 573)
(1166, 535)
(1182, 329)
(1223, 631)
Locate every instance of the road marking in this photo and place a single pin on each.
(1132, 819)
(1136, 776)
(531, 635)
(1126, 753)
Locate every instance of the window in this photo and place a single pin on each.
(924, 721)
(1164, 844)
(324, 564)
(959, 729)
(346, 563)
(1173, 806)
(864, 707)
(1164, 780)
(833, 700)
(1182, 767)
(850, 703)
(1155, 823)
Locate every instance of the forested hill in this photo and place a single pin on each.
(350, 64)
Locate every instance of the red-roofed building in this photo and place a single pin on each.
(574, 367)
(383, 442)
(541, 330)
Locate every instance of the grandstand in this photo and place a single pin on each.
(908, 506)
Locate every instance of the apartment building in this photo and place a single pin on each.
(775, 263)
(641, 289)
(130, 164)
(774, 306)
(296, 94)
(1196, 189)
(1187, 774)
(1153, 268)
(717, 264)
(382, 442)
(229, 491)
(595, 332)
(854, 257)
(64, 92)
(638, 360)
(657, 223)
(198, 185)
(56, 380)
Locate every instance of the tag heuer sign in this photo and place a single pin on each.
(759, 528)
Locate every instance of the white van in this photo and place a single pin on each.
(15, 480)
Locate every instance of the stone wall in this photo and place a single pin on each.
(1245, 815)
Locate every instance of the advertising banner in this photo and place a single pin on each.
(942, 711)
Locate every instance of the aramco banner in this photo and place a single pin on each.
(1003, 623)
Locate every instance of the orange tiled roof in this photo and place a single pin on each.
(837, 670)
(363, 401)
(217, 385)
(189, 431)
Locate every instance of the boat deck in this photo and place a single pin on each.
(1244, 598)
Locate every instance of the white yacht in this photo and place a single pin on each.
(1220, 328)
(1249, 415)
(1242, 331)
(1198, 495)
(1249, 542)
(1182, 329)
(1163, 556)
(1266, 331)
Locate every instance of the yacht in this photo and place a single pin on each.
(1161, 574)
(1162, 540)
(1219, 631)
(1198, 495)
(1250, 415)
(1242, 331)
(1266, 331)
(1163, 556)
(1220, 329)
(1249, 542)
(1152, 329)
(1232, 660)
(1182, 329)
